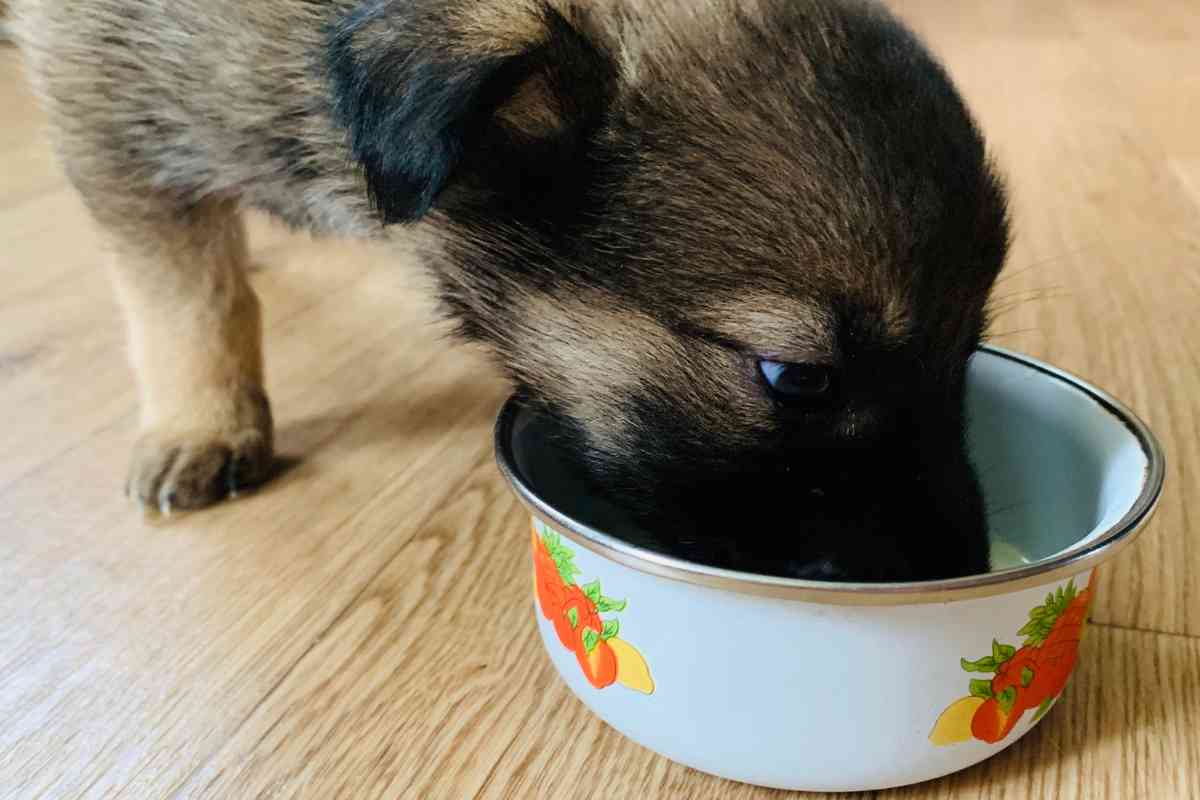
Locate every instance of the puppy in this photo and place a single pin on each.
(738, 250)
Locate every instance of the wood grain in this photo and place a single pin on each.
(361, 628)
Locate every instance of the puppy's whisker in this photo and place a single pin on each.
(1011, 333)
(998, 307)
(1025, 295)
(1040, 264)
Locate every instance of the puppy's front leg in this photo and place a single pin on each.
(195, 341)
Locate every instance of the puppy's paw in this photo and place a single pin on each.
(173, 473)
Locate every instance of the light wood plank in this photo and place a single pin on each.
(361, 628)
(154, 643)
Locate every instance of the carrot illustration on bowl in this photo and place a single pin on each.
(575, 610)
(1031, 677)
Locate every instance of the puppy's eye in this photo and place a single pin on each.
(796, 382)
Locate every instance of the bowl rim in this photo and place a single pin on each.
(1085, 555)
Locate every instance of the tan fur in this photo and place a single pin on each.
(178, 263)
(602, 351)
(497, 28)
(785, 328)
(529, 112)
(199, 109)
(195, 336)
(179, 260)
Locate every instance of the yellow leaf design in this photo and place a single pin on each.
(954, 725)
(632, 670)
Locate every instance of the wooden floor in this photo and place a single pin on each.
(362, 627)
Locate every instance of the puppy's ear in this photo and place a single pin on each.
(503, 94)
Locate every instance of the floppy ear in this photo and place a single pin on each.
(505, 92)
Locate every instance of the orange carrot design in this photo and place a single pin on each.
(574, 612)
(1028, 678)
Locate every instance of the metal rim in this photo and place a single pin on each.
(1071, 561)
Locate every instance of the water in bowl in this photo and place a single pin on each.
(1006, 556)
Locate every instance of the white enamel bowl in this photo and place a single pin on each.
(835, 686)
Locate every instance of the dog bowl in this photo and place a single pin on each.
(827, 686)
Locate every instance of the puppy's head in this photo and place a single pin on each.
(741, 252)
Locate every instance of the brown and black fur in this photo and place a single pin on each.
(630, 201)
